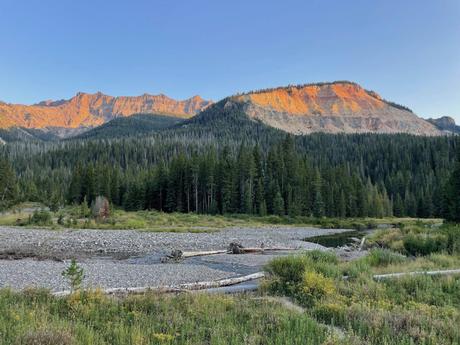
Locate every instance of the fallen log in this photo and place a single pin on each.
(177, 255)
(379, 277)
(248, 250)
(186, 287)
(222, 282)
(361, 245)
(209, 252)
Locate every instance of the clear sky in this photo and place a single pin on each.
(406, 50)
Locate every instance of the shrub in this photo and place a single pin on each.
(84, 209)
(41, 217)
(324, 262)
(322, 256)
(356, 268)
(315, 285)
(384, 257)
(289, 268)
(288, 275)
(453, 239)
(74, 273)
(331, 312)
(424, 245)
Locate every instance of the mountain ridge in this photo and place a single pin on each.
(85, 109)
(331, 107)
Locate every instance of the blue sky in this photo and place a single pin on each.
(406, 50)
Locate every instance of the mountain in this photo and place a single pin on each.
(446, 123)
(337, 107)
(137, 124)
(89, 110)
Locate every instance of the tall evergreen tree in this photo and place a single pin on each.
(8, 185)
(452, 192)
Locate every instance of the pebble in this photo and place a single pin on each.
(104, 255)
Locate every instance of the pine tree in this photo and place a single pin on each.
(452, 192)
(398, 206)
(342, 206)
(84, 208)
(278, 204)
(318, 204)
(8, 185)
(75, 191)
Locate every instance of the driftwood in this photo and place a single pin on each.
(209, 252)
(361, 245)
(179, 288)
(249, 250)
(379, 277)
(234, 248)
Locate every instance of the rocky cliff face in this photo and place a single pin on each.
(339, 107)
(94, 109)
(446, 124)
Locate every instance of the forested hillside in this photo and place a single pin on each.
(134, 125)
(228, 163)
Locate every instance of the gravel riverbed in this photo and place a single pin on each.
(125, 258)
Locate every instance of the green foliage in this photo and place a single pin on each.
(303, 276)
(134, 125)
(201, 168)
(315, 286)
(409, 310)
(89, 318)
(41, 217)
(278, 205)
(384, 257)
(452, 193)
(421, 244)
(419, 239)
(8, 185)
(85, 211)
(75, 274)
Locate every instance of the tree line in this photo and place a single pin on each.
(183, 170)
(281, 182)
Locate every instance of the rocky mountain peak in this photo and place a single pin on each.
(333, 107)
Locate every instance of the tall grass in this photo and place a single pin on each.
(412, 310)
(35, 317)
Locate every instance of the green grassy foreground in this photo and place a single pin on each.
(74, 217)
(35, 318)
(355, 310)
(410, 310)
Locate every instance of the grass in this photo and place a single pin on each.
(404, 311)
(34, 317)
(186, 222)
(409, 310)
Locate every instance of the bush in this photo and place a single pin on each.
(287, 275)
(424, 245)
(315, 285)
(288, 270)
(322, 256)
(356, 268)
(384, 257)
(42, 217)
(453, 239)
